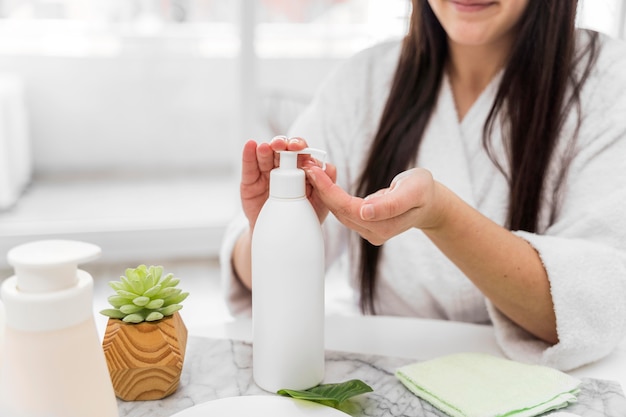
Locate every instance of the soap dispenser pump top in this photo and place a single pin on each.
(287, 180)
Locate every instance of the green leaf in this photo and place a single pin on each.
(156, 272)
(330, 394)
(117, 285)
(176, 299)
(169, 292)
(133, 318)
(137, 286)
(130, 273)
(169, 310)
(127, 294)
(165, 282)
(154, 316)
(125, 283)
(152, 291)
(130, 308)
(172, 282)
(142, 272)
(117, 301)
(113, 313)
(141, 301)
(154, 304)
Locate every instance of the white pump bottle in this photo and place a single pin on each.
(52, 363)
(288, 284)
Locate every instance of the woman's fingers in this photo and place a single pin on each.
(265, 157)
(331, 171)
(249, 167)
(282, 143)
(407, 191)
(296, 144)
(342, 204)
(385, 213)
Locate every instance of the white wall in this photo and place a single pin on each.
(129, 113)
(140, 112)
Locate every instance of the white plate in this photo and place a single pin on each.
(261, 406)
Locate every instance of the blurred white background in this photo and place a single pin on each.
(121, 121)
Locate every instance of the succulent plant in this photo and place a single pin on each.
(144, 295)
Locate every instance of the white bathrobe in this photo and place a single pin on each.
(581, 240)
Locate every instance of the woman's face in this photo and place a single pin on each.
(478, 22)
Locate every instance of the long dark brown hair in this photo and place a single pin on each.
(540, 85)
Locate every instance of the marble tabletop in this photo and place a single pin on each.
(218, 368)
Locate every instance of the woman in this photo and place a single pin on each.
(487, 151)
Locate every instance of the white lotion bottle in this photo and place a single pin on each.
(288, 284)
(52, 364)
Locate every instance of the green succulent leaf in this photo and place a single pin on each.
(165, 282)
(176, 299)
(172, 283)
(113, 313)
(129, 273)
(154, 316)
(154, 304)
(125, 282)
(117, 285)
(141, 272)
(171, 309)
(141, 301)
(133, 318)
(156, 272)
(152, 291)
(117, 301)
(168, 292)
(136, 286)
(127, 294)
(130, 308)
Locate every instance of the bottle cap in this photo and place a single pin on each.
(49, 265)
(287, 181)
(48, 291)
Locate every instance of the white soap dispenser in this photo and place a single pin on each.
(288, 284)
(53, 364)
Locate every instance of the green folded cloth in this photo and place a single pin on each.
(479, 385)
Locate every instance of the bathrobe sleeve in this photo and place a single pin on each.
(238, 298)
(584, 249)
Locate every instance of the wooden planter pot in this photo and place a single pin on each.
(145, 360)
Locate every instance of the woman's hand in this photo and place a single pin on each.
(502, 265)
(257, 162)
(413, 199)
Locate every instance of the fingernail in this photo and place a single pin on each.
(277, 138)
(367, 211)
(294, 140)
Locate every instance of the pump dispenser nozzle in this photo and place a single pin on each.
(49, 265)
(287, 181)
(47, 279)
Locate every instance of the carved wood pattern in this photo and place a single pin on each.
(145, 360)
